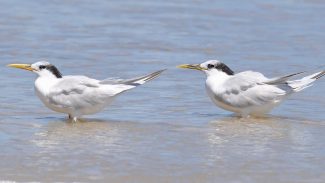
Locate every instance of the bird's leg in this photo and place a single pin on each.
(72, 118)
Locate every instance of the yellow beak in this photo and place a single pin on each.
(21, 66)
(191, 66)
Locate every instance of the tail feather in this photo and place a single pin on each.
(134, 81)
(281, 80)
(141, 80)
(305, 82)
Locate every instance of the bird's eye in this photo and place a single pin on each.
(42, 67)
(210, 66)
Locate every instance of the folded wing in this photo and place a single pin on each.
(247, 89)
(77, 92)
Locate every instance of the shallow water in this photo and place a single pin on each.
(166, 130)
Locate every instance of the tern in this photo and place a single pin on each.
(248, 93)
(77, 95)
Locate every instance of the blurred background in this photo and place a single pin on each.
(167, 130)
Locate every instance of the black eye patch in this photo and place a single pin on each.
(222, 67)
(54, 71)
(210, 66)
(42, 67)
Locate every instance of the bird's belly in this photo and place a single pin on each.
(261, 110)
(225, 106)
(250, 109)
(94, 108)
(75, 110)
(258, 110)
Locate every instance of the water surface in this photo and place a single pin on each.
(166, 130)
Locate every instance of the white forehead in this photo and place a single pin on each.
(36, 64)
(214, 62)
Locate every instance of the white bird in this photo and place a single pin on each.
(77, 95)
(248, 93)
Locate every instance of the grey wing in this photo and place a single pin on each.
(280, 80)
(76, 92)
(245, 90)
(134, 81)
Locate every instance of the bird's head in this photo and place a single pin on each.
(42, 68)
(210, 67)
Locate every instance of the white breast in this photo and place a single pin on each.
(42, 88)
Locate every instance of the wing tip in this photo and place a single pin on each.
(295, 74)
(321, 74)
(154, 75)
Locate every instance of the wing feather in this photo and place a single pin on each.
(281, 80)
(134, 81)
(76, 92)
(248, 89)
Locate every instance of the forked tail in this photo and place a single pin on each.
(300, 84)
(126, 84)
(141, 80)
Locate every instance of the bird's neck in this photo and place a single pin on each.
(216, 80)
(217, 76)
(43, 84)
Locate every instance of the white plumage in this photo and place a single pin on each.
(78, 95)
(248, 93)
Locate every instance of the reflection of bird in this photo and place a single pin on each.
(248, 93)
(77, 95)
